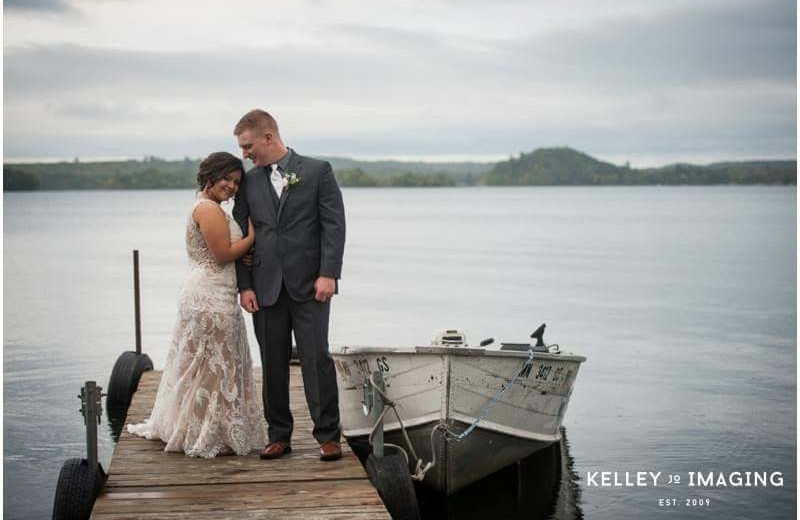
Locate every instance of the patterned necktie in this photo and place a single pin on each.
(276, 179)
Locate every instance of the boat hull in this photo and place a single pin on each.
(440, 391)
(458, 463)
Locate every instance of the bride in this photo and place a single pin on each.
(207, 403)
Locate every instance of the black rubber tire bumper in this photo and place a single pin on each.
(125, 378)
(390, 477)
(78, 486)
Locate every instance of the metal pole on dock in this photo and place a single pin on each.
(80, 480)
(377, 410)
(130, 365)
(136, 303)
(388, 473)
(91, 408)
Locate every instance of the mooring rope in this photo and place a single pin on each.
(422, 467)
(493, 401)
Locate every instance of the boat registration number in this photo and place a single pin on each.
(365, 366)
(548, 373)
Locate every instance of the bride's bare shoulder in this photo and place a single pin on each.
(205, 210)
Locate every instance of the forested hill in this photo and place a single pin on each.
(542, 167)
(551, 166)
(565, 166)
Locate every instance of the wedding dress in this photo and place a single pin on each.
(207, 404)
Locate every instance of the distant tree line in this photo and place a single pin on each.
(542, 167)
(18, 180)
(154, 173)
(358, 177)
(150, 173)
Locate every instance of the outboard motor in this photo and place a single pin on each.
(449, 338)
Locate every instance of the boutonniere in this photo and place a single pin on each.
(290, 180)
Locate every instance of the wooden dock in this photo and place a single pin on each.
(147, 483)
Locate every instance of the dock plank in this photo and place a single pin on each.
(235, 497)
(146, 483)
(326, 513)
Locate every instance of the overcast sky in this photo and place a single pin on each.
(648, 81)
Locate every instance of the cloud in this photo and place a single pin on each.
(57, 6)
(720, 44)
(713, 80)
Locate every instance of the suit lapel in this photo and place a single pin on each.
(294, 166)
(262, 185)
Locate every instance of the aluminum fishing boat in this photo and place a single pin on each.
(467, 411)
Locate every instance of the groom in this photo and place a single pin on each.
(297, 210)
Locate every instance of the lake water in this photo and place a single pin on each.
(683, 299)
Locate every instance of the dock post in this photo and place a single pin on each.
(80, 480)
(129, 366)
(377, 410)
(136, 302)
(91, 408)
(388, 473)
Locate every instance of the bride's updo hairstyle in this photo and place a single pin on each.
(216, 166)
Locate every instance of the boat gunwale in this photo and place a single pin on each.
(354, 350)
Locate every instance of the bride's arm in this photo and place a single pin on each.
(216, 234)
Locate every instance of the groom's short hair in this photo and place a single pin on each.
(258, 120)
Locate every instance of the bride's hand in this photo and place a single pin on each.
(250, 239)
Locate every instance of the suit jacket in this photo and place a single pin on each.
(297, 241)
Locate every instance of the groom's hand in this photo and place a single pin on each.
(324, 287)
(248, 300)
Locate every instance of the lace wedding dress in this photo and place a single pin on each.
(207, 404)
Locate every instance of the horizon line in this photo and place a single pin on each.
(430, 159)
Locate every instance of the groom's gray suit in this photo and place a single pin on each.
(299, 237)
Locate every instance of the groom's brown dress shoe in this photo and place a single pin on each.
(330, 450)
(275, 450)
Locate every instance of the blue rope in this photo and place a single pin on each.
(494, 400)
